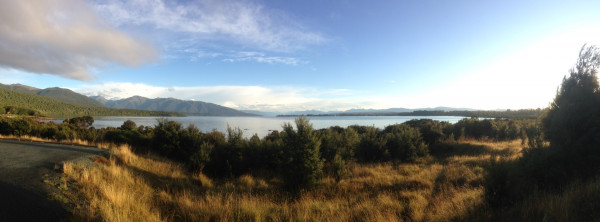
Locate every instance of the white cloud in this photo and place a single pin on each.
(240, 22)
(63, 38)
(238, 97)
(265, 59)
(243, 56)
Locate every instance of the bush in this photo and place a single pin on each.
(571, 126)
(129, 125)
(166, 140)
(302, 166)
(404, 143)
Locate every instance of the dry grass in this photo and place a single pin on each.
(128, 187)
(78, 142)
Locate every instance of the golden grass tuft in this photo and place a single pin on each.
(134, 188)
(78, 142)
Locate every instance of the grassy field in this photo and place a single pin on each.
(128, 187)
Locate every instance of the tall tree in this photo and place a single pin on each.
(303, 165)
(573, 119)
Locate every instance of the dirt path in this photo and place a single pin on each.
(23, 165)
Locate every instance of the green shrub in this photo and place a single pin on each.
(302, 166)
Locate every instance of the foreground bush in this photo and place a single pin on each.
(571, 127)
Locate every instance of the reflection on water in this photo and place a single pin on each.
(262, 125)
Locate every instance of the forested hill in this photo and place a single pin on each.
(60, 94)
(511, 114)
(174, 105)
(12, 101)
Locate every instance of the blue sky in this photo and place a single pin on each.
(300, 55)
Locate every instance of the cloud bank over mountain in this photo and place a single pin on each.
(63, 38)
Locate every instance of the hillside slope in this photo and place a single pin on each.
(174, 105)
(60, 94)
(54, 108)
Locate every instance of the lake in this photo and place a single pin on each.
(263, 125)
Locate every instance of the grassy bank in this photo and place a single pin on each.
(128, 187)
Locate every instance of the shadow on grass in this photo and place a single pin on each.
(445, 150)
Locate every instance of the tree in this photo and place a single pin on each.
(202, 156)
(574, 115)
(404, 143)
(167, 139)
(83, 122)
(302, 166)
(129, 125)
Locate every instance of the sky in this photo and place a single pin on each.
(300, 54)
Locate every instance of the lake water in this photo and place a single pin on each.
(263, 125)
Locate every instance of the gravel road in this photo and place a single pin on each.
(23, 165)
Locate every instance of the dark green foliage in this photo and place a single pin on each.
(174, 105)
(21, 127)
(574, 116)
(399, 143)
(534, 136)
(20, 111)
(27, 104)
(228, 157)
(340, 168)
(5, 127)
(571, 125)
(167, 139)
(371, 147)
(338, 141)
(432, 131)
(68, 96)
(302, 166)
(60, 94)
(202, 156)
(404, 143)
(490, 129)
(129, 125)
(299, 157)
(83, 122)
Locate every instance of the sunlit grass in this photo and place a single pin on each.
(78, 142)
(129, 187)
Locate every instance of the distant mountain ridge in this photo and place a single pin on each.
(23, 102)
(173, 105)
(135, 103)
(358, 111)
(60, 94)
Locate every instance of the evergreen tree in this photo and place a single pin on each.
(573, 119)
(302, 166)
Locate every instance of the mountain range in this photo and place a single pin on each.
(60, 94)
(27, 103)
(188, 107)
(357, 111)
(133, 103)
(172, 105)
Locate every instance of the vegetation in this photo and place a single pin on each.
(20, 103)
(129, 187)
(174, 105)
(569, 162)
(421, 170)
(354, 173)
(512, 114)
(301, 163)
(60, 94)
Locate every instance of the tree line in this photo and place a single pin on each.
(509, 114)
(299, 154)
